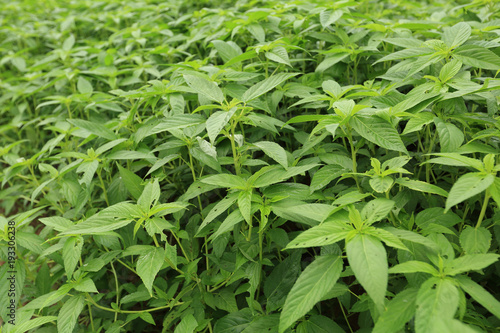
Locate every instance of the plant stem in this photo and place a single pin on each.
(483, 209)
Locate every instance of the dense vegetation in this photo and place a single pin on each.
(250, 166)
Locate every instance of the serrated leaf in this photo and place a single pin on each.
(227, 50)
(149, 264)
(470, 262)
(467, 186)
(221, 207)
(217, 121)
(325, 175)
(480, 294)
(326, 17)
(324, 234)
(450, 137)
(94, 128)
(398, 312)
(437, 299)
(279, 55)
(274, 151)
(68, 314)
(376, 210)
(413, 266)
(420, 186)
(449, 70)
(478, 57)
(225, 180)
(314, 282)
(245, 205)
(475, 240)
(208, 89)
(72, 251)
(378, 131)
(33, 323)
(381, 184)
(131, 181)
(368, 260)
(456, 35)
(264, 86)
(84, 86)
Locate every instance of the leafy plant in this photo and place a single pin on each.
(250, 166)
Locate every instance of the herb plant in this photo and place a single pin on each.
(250, 166)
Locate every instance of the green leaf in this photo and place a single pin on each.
(397, 313)
(33, 323)
(381, 184)
(314, 282)
(450, 137)
(130, 155)
(480, 294)
(227, 50)
(476, 56)
(234, 322)
(93, 128)
(310, 214)
(84, 86)
(217, 121)
(274, 151)
(225, 180)
(378, 131)
(96, 224)
(149, 196)
(437, 299)
(319, 324)
(86, 285)
(245, 205)
(418, 121)
(72, 251)
(449, 70)
(331, 60)
(324, 234)
(279, 55)
(208, 89)
(68, 315)
(413, 266)
(326, 17)
(470, 262)
(420, 186)
(221, 207)
(187, 324)
(264, 86)
(149, 264)
(376, 210)
(456, 35)
(475, 240)
(325, 175)
(467, 186)
(368, 260)
(131, 181)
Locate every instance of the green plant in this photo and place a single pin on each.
(250, 166)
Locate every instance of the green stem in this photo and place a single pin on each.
(117, 289)
(483, 209)
(353, 156)
(129, 311)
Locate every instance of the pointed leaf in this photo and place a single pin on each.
(314, 282)
(368, 260)
(68, 315)
(208, 89)
(467, 186)
(264, 86)
(274, 151)
(149, 264)
(480, 294)
(378, 131)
